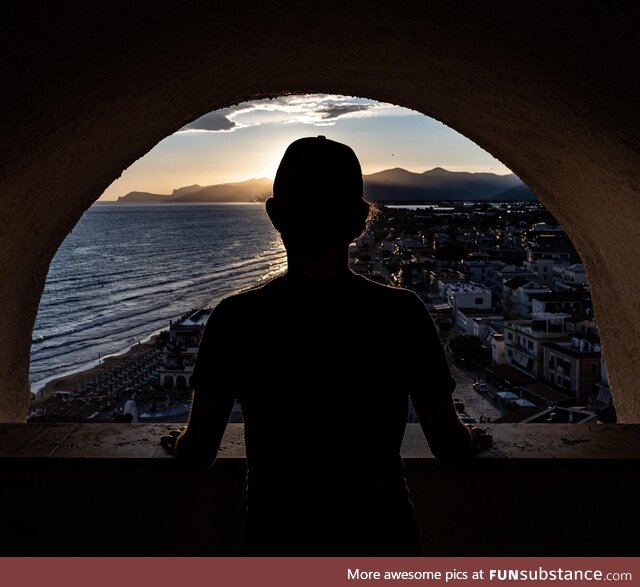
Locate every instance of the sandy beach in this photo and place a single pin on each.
(85, 394)
(72, 381)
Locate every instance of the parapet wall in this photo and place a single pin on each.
(92, 489)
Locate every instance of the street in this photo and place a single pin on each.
(478, 405)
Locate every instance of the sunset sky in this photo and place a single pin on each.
(248, 140)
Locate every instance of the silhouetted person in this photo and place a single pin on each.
(323, 363)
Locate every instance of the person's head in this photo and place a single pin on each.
(317, 203)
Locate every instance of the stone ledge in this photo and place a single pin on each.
(109, 490)
(141, 441)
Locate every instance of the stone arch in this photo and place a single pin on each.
(96, 87)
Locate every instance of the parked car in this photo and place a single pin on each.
(480, 387)
(466, 418)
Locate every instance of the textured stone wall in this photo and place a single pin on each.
(548, 88)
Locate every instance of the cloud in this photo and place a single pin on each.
(332, 112)
(314, 109)
(319, 109)
(216, 121)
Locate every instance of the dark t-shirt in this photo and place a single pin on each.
(323, 370)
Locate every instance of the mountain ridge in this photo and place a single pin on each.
(387, 186)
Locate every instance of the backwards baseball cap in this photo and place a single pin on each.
(317, 166)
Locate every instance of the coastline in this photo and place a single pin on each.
(127, 288)
(68, 381)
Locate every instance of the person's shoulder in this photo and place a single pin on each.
(387, 294)
(248, 299)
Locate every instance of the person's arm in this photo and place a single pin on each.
(447, 435)
(198, 443)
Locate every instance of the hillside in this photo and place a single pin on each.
(396, 185)
(516, 193)
(251, 190)
(390, 185)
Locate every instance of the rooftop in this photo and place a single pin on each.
(468, 287)
(197, 318)
(549, 315)
(516, 282)
(577, 351)
(573, 267)
(579, 317)
(558, 296)
(545, 393)
(551, 246)
(484, 316)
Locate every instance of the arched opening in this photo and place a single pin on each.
(530, 109)
(136, 262)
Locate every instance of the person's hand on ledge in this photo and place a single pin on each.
(168, 441)
(480, 438)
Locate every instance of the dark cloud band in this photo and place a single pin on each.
(214, 121)
(334, 111)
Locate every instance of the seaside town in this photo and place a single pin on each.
(511, 302)
(504, 286)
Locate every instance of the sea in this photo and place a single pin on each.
(126, 270)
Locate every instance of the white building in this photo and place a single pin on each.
(478, 270)
(498, 349)
(476, 322)
(581, 323)
(567, 277)
(524, 340)
(542, 270)
(517, 297)
(551, 247)
(467, 295)
(500, 274)
(485, 326)
(555, 301)
(180, 350)
(546, 246)
(573, 365)
(543, 227)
